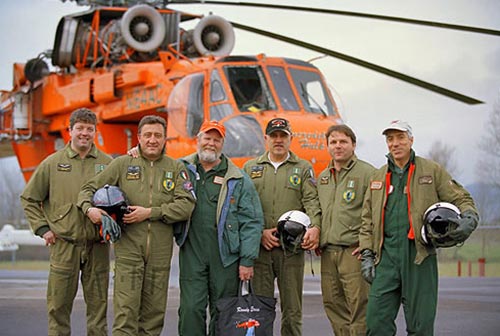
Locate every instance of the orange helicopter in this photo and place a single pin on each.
(127, 61)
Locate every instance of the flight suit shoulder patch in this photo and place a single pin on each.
(184, 175)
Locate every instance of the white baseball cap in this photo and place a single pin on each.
(399, 125)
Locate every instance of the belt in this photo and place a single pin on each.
(341, 246)
(79, 243)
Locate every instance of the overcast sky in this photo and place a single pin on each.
(465, 62)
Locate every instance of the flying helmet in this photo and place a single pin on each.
(292, 226)
(437, 224)
(112, 200)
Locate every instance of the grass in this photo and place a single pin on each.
(25, 265)
(481, 244)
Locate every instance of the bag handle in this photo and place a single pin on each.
(245, 285)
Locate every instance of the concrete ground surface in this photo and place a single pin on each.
(467, 306)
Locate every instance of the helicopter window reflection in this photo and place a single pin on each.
(283, 88)
(218, 94)
(249, 88)
(244, 137)
(312, 92)
(185, 105)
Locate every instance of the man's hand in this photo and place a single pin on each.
(94, 214)
(137, 214)
(133, 152)
(356, 253)
(268, 240)
(246, 273)
(368, 265)
(466, 225)
(311, 239)
(49, 237)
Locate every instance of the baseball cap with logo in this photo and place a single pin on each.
(278, 124)
(213, 125)
(399, 125)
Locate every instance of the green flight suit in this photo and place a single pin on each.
(345, 292)
(144, 251)
(290, 187)
(406, 269)
(49, 201)
(218, 241)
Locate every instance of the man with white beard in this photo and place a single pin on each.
(217, 248)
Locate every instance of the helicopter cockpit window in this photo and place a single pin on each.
(218, 94)
(185, 105)
(244, 136)
(312, 92)
(283, 88)
(249, 88)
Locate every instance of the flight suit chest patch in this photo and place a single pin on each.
(168, 182)
(324, 180)
(99, 167)
(294, 177)
(64, 167)
(351, 184)
(133, 173)
(349, 195)
(425, 180)
(376, 185)
(256, 171)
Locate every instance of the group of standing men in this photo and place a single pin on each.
(365, 223)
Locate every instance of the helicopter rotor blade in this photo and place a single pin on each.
(380, 69)
(353, 14)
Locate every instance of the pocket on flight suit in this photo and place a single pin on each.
(59, 223)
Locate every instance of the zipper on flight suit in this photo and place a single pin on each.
(148, 238)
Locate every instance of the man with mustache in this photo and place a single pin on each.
(284, 182)
(221, 241)
(160, 194)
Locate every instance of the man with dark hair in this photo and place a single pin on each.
(284, 182)
(224, 233)
(341, 189)
(398, 263)
(49, 202)
(160, 194)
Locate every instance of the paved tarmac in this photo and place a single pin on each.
(467, 306)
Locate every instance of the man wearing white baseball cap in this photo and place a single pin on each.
(400, 266)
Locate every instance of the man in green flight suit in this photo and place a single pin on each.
(284, 182)
(160, 194)
(223, 236)
(341, 189)
(395, 259)
(49, 202)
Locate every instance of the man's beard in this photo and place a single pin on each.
(208, 156)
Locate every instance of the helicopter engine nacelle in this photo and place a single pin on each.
(143, 28)
(213, 35)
